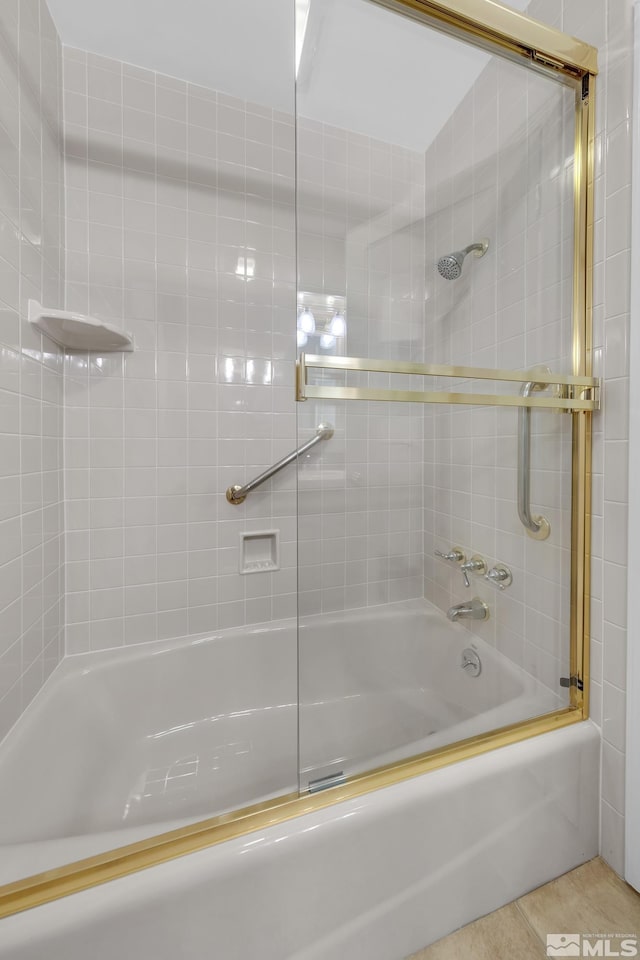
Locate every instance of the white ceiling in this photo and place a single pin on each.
(369, 70)
(362, 68)
(242, 47)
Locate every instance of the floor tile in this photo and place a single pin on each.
(590, 899)
(502, 935)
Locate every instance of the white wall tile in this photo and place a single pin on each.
(31, 266)
(509, 309)
(155, 247)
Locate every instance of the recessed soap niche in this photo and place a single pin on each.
(259, 551)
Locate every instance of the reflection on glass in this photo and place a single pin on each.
(322, 324)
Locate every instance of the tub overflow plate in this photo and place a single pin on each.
(471, 663)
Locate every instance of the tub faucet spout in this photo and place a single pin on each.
(475, 609)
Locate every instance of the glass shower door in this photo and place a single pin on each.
(435, 239)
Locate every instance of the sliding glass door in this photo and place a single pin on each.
(436, 208)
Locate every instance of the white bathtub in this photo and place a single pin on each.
(374, 878)
(386, 683)
(130, 742)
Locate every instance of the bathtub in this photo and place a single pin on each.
(375, 878)
(127, 743)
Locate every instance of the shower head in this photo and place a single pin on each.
(450, 266)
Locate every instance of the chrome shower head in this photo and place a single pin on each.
(450, 266)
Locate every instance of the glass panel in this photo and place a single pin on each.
(394, 183)
(153, 699)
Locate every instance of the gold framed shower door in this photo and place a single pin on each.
(504, 32)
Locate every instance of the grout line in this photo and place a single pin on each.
(525, 917)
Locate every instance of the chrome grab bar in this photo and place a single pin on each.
(237, 494)
(537, 527)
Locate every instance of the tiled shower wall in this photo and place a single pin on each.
(501, 169)
(180, 220)
(31, 245)
(180, 227)
(361, 237)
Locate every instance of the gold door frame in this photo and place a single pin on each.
(504, 32)
(571, 394)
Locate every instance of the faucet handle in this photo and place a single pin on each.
(455, 555)
(500, 576)
(474, 565)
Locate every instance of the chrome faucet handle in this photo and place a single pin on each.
(474, 565)
(500, 576)
(455, 555)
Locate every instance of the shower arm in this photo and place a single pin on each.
(237, 494)
(537, 527)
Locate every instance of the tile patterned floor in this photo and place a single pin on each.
(589, 900)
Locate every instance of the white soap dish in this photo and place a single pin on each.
(259, 551)
(78, 332)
